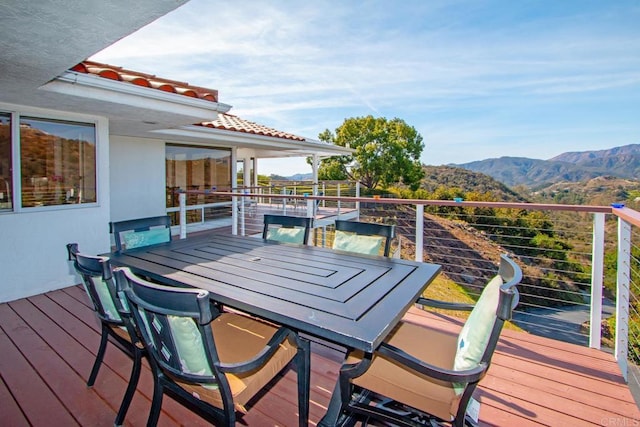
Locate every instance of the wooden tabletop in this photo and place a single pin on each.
(349, 299)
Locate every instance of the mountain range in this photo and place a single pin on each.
(621, 162)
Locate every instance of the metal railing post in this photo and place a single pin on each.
(234, 215)
(324, 191)
(182, 198)
(597, 280)
(338, 193)
(358, 195)
(284, 201)
(242, 215)
(622, 296)
(419, 233)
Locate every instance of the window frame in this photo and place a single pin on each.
(16, 146)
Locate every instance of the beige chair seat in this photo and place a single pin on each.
(239, 338)
(403, 385)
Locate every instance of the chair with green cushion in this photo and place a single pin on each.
(140, 232)
(214, 362)
(100, 286)
(425, 376)
(363, 237)
(287, 229)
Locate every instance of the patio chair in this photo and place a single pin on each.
(214, 362)
(136, 233)
(424, 376)
(292, 229)
(100, 286)
(363, 237)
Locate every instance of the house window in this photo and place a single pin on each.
(57, 162)
(198, 169)
(6, 170)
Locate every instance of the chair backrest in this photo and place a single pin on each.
(479, 336)
(363, 237)
(175, 326)
(136, 233)
(293, 229)
(99, 284)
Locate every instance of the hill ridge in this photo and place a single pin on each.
(576, 166)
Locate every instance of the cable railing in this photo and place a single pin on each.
(579, 267)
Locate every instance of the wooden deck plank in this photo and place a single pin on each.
(11, 413)
(39, 403)
(563, 380)
(533, 381)
(68, 360)
(604, 397)
(80, 319)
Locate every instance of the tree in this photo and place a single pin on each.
(387, 152)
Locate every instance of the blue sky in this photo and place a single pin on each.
(477, 79)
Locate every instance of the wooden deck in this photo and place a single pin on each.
(49, 342)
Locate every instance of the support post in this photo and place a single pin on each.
(182, 198)
(314, 168)
(622, 296)
(234, 185)
(419, 233)
(358, 195)
(242, 213)
(597, 280)
(284, 201)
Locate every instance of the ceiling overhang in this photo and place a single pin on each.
(262, 146)
(40, 40)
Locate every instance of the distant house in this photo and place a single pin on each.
(83, 143)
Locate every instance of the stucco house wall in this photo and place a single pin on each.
(137, 178)
(32, 241)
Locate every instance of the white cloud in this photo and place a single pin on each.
(468, 75)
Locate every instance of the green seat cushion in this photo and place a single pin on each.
(104, 296)
(352, 242)
(286, 234)
(474, 336)
(137, 239)
(189, 345)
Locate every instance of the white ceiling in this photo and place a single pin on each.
(41, 39)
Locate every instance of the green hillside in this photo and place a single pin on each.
(438, 179)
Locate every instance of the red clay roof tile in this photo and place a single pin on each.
(234, 123)
(148, 80)
(223, 122)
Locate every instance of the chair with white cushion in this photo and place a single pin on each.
(363, 237)
(425, 376)
(140, 232)
(287, 229)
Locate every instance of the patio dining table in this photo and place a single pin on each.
(345, 298)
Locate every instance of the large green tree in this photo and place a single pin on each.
(387, 152)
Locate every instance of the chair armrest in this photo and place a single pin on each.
(444, 304)
(466, 376)
(261, 357)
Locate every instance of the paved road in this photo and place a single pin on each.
(561, 323)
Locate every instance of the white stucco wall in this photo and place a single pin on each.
(33, 257)
(138, 178)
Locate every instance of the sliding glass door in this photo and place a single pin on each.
(198, 170)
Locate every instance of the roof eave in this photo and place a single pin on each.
(114, 91)
(244, 139)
